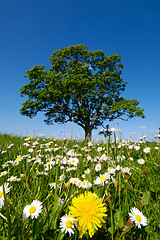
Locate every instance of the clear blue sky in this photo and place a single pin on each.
(31, 30)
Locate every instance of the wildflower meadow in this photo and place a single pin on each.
(68, 189)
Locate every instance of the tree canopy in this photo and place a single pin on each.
(83, 86)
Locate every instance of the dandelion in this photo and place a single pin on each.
(33, 210)
(88, 210)
(138, 217)
(66, 224)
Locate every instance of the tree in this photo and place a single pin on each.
(81, 86)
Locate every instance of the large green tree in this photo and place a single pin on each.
(81, 86)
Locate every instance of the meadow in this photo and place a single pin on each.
(63, 189)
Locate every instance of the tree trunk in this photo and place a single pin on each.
(88, 133)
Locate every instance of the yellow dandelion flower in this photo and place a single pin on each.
(88, 210)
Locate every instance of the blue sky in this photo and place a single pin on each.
(31, 30)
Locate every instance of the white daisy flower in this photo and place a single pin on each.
(87, 171)
(3, 173)
(138, 217)
(33, 210)
(126, 170)
(85, 184)
(111, 170)
(13, 179)
(66, 224)
(141, 161)
(146, 150)
(75, 181)
(73, 161)
(70, 169)
(103, 157)
(99, 149)
(102, 179)
(30, 150)
(6, 189)
(136, 148)
(98, 167)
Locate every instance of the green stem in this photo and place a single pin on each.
(7, 212)
(128, 229)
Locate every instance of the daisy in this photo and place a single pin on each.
(141, 161)
(3, 173)
(111, 170)
(30, 150)
(99, 149)
(98, 167)
(70, 169)
(66, 224)
(13, 179)
(6, 189)
(126, 170)
(102, 179)
(75, 181)
(138, 217)
(33, 210)
(52, 185)
(146, 150)
(85, 184)
(103, 157)
(73, 161)
(87, 171)
(88, 211)
(136, 148)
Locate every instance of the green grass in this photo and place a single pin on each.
(27, 160)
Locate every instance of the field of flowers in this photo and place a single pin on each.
(63, 189)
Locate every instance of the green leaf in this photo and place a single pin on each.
(146, 198)
(118, 219)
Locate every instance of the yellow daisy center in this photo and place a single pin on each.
(68, 224)
(1, 194)
(102, 178)
(32, 209)
(72, 160)
(138, 218)
(74, 181)
(83, 183)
